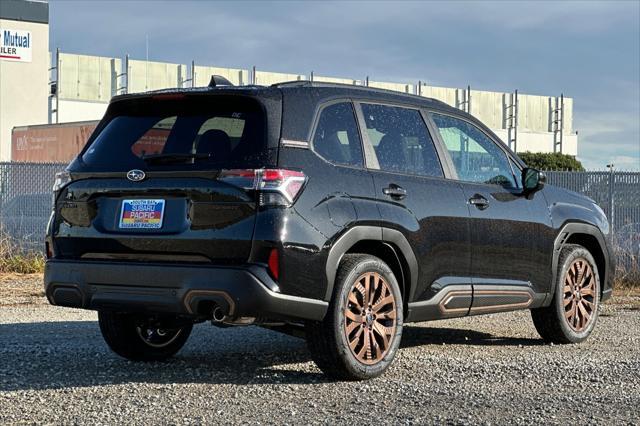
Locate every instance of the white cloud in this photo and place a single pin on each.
(609, 137)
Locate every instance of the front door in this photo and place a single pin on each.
(506, 226)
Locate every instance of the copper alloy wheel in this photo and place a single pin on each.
(579, 295)
(370, 318)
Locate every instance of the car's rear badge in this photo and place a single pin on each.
(135, 175)
(142, 214)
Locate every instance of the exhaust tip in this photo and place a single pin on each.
(218, 314)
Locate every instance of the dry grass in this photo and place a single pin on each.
(21, 289)
(16, 259)
(627, 274)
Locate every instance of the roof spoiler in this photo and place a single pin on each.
(218, 80)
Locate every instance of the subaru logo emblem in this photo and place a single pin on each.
(135, 175)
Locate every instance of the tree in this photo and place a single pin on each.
(551, 161)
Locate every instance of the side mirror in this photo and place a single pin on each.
(533, 180)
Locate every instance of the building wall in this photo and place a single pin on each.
(398, 87)
(335, 80)
(70, 111)
(24, 86)
(488, 107)
(266, 78)
(202, 75)
(444, 94)
(87, 78)
(85, 82)
(146, 75)
(92, 78)
(541, 142)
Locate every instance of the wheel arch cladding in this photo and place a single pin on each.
(591, 239)
(387, 244)
(389, 255)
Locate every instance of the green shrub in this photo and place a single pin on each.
(551, 161)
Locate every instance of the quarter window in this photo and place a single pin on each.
(401, 140)
(336, 138)
(475, 157)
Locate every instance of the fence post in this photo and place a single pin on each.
(612, 179)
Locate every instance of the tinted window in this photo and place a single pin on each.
(336, 138)
(401, 140)
(517, 171)
(475, 157)
(219, 133)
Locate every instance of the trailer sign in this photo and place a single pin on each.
(15, 45)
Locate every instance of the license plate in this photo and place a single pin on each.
(142, 214)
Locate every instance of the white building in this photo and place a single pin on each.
(24, 66)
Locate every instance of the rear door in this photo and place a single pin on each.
(415, 198)
(506, 226)
(160, 182)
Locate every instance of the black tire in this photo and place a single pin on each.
(126, 335)
(328, 340)
(555, 322)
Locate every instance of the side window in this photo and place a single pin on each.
(336, 138)
(401, 140)
(475, 156)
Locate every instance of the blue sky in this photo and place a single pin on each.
(589, 50)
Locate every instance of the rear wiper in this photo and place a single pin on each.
(175, 157)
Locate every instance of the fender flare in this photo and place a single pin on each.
(567, 231)
(376, 233)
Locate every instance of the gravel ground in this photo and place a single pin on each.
(55, 368)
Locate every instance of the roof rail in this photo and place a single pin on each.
(308, 83)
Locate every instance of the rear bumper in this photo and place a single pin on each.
(174, 289)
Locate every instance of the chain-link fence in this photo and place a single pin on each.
(25, 200)
(618, 194)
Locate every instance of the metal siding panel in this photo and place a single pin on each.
(398, 87)
(268, 78)
(444, 94)
(335, 80)
(487, 107)
(144, 76)
(236, 76)
(87, 78)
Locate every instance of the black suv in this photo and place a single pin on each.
(338, 213)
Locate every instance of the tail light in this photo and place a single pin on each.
(276, 187)
(47, 249)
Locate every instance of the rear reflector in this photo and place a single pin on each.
(277, 187)
(274, 263)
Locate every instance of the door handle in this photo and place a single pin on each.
(395, 191)
(479, 201)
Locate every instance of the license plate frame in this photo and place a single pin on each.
(142, 214)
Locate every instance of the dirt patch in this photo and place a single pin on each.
(21, 289)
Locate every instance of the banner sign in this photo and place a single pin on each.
(15, 45)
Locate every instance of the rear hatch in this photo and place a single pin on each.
(157, 180)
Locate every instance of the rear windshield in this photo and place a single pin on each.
(177, 132)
